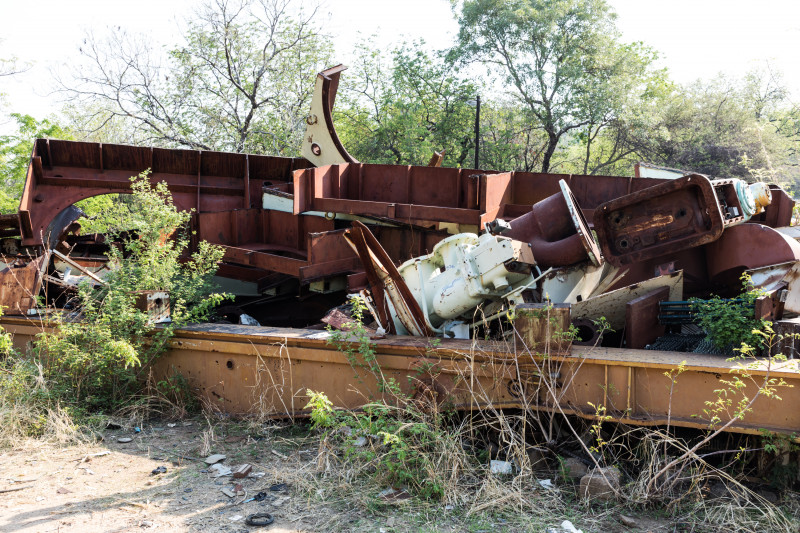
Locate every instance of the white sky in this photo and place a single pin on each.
(696, 38)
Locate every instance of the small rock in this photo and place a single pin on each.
(236, 518)
(62, 490)
(40, 498)
(124, 440)
(216, 458)
(546, 484)
(627, 521)
(574, 468)
(145, 523)
(601, 484)
(500, 467)
(390, 522)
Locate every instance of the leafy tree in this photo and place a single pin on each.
(403, 108)
(15, 154)
(240, 81)
(561, 58)
(724, 128)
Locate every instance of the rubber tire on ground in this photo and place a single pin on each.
(259, 519)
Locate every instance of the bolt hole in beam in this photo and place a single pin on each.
(229, 364)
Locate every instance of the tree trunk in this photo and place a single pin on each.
(552, 142)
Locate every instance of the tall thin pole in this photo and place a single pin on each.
(477, 129)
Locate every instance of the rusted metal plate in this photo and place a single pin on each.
(542, 328)
(612, 305)
(641, 318)
(746, 247)
(669, 217)
(19, 285)
(64, 172)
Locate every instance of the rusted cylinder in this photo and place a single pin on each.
(550, 229)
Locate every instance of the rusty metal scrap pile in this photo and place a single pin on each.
(429, 250)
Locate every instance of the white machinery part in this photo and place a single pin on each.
(465, 270)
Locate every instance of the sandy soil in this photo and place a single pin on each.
(110, 487)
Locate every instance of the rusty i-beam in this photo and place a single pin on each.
(246, 370)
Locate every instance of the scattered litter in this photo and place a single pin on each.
(279, 454)
(40, 498)
(15, 489)
(627, 521)
(247, 320)
(97, 454)
(159, 470)
(216, 458)
(187, 490)
(566, 527)
(171, 425)
(146, 523)
(242, 471)
(360, 441)
(277, 487)
(259, 519)
(236, 518)
(221, 470)
(137, 429)
(257, 475)
(393, 495)
(124, 440)
(390, 522)
(546, 484)
(227, 491)
(448, 507)
(112, 425)
(500, 467)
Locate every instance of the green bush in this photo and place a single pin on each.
(98, 356)
(731, 323)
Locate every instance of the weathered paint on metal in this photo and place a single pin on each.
(670, 217)
(245, 369)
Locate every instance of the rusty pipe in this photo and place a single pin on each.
(556, 231)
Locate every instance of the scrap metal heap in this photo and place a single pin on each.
(432, 251)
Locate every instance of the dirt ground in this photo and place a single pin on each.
(110, 486)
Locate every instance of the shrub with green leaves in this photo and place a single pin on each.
(731, 323)
(97, 358)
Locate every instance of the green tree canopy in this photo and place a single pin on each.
(562, 60)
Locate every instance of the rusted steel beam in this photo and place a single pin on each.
(64, 172)
(246, 369)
